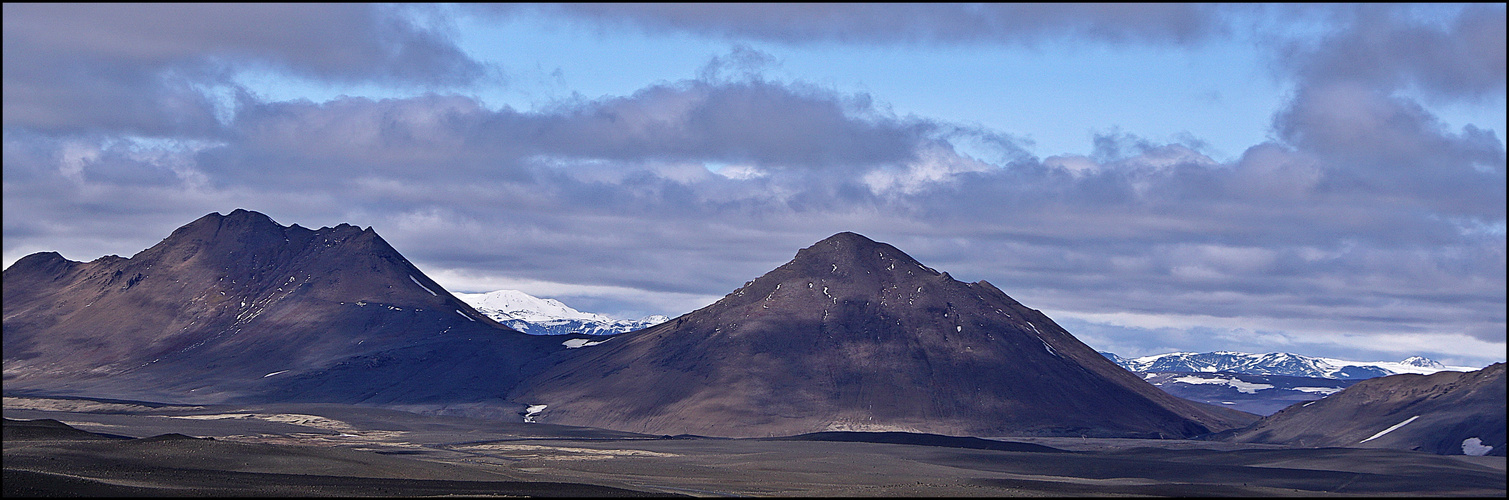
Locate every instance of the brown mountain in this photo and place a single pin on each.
(856, 335)
(1447, 413)
(237, 306)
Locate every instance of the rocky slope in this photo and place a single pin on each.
(1448, 413)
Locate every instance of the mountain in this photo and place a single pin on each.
(856, 335)
(537, 316)
(1448, 413)
(234, 307)
(1279, 363)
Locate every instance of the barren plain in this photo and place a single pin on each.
(341, 450)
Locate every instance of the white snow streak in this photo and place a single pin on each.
(1390, 429)
(274, 373)
(468, 318)
(416, 282)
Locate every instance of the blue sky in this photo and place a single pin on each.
(1326, 180)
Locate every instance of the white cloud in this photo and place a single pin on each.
(741, 172)
(935, 165)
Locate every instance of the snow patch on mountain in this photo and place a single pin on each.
(539, 316)
(1324, 391)
(1240, 386)
(529, 413)
(1475, 447)
(579, 343)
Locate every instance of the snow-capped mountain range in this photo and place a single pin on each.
(537, 316)
(1280, 363)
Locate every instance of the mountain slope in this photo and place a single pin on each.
(537, 316)
(1448, 413)
(232, 306)
(856, 335)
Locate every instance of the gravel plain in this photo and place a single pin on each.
(134, 449)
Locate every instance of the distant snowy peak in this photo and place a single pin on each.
(522, 306)
(1422, 362)
(537, 316)
(1279, 363)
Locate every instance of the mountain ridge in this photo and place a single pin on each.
(1279, 363)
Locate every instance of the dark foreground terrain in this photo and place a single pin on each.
(132, 448)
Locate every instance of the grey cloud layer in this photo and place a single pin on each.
(1348, 113)
(1364, 215)
(1384, 47)
(760, 123)
(140, 68)
(914, 23)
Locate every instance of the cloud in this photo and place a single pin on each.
(1395, 47)
(741, 63)
(1382, 143)
(145, 68)
(1357, 119)
(768, 125)
(914, 23)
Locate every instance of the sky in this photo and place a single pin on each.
(1326, 180)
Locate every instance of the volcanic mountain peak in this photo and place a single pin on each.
(846, 252)
(846, 267)
(853, 334)
(248, 231)
(224, 298)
